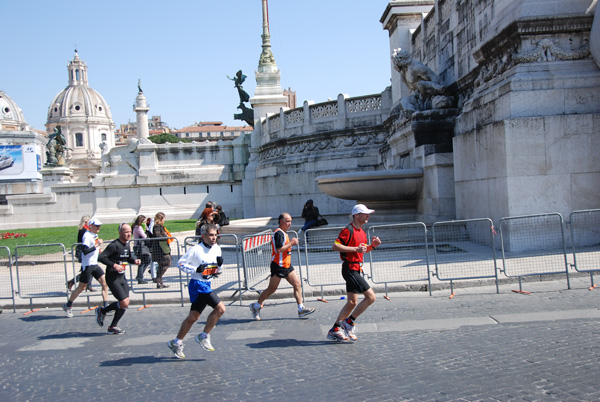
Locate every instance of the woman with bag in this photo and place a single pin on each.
(140, 247)
(162, 249)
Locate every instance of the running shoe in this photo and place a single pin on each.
(70, 284)
(205, 343)
(100, 316)
(337, 334)
(255, 311)
(177, 349)
(116, 331)
(305, 311)
(67, 310)
(350, 329)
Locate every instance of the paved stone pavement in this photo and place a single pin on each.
(477, 346)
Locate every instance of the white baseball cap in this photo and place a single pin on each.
(95, 222)
(361, 209)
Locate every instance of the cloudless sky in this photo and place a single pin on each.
(183, 51)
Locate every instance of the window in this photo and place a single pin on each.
(103, 136)
(79, 140)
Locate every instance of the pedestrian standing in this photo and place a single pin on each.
(116, 256)
(351, 243)
(140, 247)
(203, 262)
(281, 267)
(162, 249)
(89, 265)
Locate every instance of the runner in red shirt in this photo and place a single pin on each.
(352, 245)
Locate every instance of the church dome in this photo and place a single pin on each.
(82, 114)
(78, 100)
(11, 117)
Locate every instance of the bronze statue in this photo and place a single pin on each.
(55, 148)
(247, 114)
(238, 81)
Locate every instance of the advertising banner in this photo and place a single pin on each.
(19, 162)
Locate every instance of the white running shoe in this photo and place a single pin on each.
(67, 310)
(176, 349)
(305, 311)
(350, 329)
(338, 335)
(205, 342)
(255, 311)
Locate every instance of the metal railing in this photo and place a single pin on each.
(585, 241)
(464, 249)
(404, 256)
(41, 271)
(534, 245)
(172, 277)
(7, 286)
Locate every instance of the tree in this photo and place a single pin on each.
(166, 137)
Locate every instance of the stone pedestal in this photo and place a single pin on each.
(56, 175)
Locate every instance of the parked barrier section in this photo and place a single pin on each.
(164, 251)
(585, 240)
(464, 249)
(256, 258)
(534, 245)
(403, 254)
(41, 271)
(7, 289)
(323, 265)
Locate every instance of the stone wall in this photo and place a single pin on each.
(140, 178)
(316, 139)
(530, 98)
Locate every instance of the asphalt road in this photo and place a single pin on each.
(477, 346)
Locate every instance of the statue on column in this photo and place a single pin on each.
(247, 114)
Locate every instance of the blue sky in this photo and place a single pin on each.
(184, 50)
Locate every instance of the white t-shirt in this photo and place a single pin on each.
(90, 240)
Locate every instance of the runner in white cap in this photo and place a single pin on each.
(89, 264)
(352, 245)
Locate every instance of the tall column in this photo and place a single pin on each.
(141, 110)
(268, 95)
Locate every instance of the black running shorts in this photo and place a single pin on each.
(204, 299)
(276, 270)
(355, 283)
(118, 285)
(92, 270)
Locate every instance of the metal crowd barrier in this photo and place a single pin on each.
(585, 241)
(173, 277)
(464, 249)
(323, 265)
(403, 255)
(7, 287)
(41, 271)
(256, 260)
(534, 245)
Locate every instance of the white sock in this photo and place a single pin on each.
(300, 307)
(204, 335)
(178, 341)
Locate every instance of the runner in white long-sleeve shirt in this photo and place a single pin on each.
(202, 262)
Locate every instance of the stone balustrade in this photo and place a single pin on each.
(341, 114)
